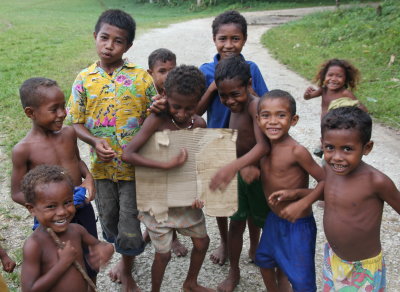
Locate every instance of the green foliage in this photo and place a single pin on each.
(358, 34)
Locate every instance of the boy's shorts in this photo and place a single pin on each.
(252, 202)
(116, 204)
(187, 221)
(290, 247)
(342, 275)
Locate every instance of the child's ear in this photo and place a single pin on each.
(95, 35)
(30, 208)
(128, 47)
(294, 121)
(250, 83)
(29, 112)
(368, 147)
(150, 71)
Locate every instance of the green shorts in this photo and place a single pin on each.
(252, 202)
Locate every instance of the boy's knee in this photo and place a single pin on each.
(237, 226)
(162, 257)
(201, 244)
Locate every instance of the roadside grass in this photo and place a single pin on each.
(357, 34)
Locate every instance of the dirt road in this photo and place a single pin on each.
(192, 43)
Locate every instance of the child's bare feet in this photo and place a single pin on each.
(188, 287)
(120, 273)
(178, 248)
(230, 283)
(115, 272)
(219, 255)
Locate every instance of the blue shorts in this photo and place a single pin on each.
(290, 247)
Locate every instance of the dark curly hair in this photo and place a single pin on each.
(185, 80)
(29, 91)
(278, 93)
(230, 68)
(120, 19)
(43, 174)
(230, 17)
(352, 73)
(348, 117)
(162, 55)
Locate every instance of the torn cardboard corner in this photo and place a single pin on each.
(208, 150)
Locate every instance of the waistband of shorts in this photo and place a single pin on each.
(374, 260)
(305, 219)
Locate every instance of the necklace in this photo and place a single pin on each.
(180, 128)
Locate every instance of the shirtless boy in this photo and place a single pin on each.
(48, 194)
(183, 88)
(48, 142)
(354, 194)
(285, 245)
(233, 80)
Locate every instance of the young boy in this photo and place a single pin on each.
(107, 106)
(285, 245)
(354, 194)
(233, 80)
(183, 88)
(229, 31)
(48, 142)
(48, 195)
(161, 62)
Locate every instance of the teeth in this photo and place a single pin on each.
(61, 221)
(338, 166)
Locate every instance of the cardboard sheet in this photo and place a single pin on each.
(208, 150)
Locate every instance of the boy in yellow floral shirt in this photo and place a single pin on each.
(107, 106)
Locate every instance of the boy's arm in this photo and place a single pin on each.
(223, 177)
(305, 160)
(387, 191)
(206, 99)
(6, 261)
(311, 92)
(19, 169)
(31, 280)
(130, 153)
(103, 149)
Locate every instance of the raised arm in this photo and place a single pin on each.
(19, 169)
(31, 278)
(206, 99)
(311, 92)
(131, 151)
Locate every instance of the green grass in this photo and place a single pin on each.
(358, 35)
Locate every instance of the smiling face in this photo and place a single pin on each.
(50, 113)
(233, 94)
(182, 108)
(335, 78)
(343, 149)
(229, 40)
(111, 44)
(159, 73)
(54, 205)
(275, 119)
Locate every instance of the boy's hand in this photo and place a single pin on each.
(159, 104)
(293, 211)
(8, 263)
(311, 92)
(88, 184)
(178, 160)
(222, 178)
(103, 150)
(100, 254)
(283, 195)
(250, 173)
(197, 203)
(67, 254)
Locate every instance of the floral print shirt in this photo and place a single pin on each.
(112, 107)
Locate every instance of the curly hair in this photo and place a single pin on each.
(234, 67)
(40, 175)
(352, 73)
(348, 117)
(162, 55)
(230, 17)
(185, 80)
(29, 91)
(120, 19)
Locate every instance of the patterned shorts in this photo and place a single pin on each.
(187, 221)
(341, 275)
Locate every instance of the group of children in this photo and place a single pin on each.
(115, 106)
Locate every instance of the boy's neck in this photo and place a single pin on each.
(110, 68)
(40, 131)
(283, 140)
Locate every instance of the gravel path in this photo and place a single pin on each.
(192, 43)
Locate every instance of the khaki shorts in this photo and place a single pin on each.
(186, 220)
